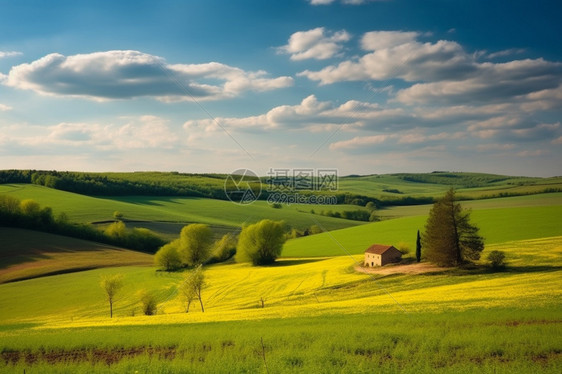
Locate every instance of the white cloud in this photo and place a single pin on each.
(127, 133)
(128, 74)
(443, 73)
(4, 54)
(396, 55)
(5, 108)
(557, 140)
(506, 52)
(316, 43)
(374, 40)
(360, 141)
(488, 82)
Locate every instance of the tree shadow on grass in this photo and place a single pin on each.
(149, 200)
(485, 269)
(292, 262)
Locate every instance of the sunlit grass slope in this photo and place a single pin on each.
(497, 341)
(81, 208)
(474, 185)
(548, 199)
(496, 226)
(28, 254)
(293, 288)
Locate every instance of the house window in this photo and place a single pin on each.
(372, 264)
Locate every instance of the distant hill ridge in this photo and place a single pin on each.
(382, 189)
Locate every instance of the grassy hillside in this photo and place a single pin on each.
(81, 208)
(473, 185)
(319, 316)
(496, 226)
(29, 254)
(548, 199)
(294, 287)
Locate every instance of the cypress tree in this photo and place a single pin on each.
(418, 247)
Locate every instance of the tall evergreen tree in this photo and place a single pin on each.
(418, 247)
(450, 239)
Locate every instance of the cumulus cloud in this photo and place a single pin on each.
(442, 72)
(5, 108)
(489, 82)
(128, 74)
(317, 43)
(374, 40)
(398, 55)
(314, 115)
(128, 133)
(308, 111)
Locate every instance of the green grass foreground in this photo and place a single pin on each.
(473, 341)
(319, 316)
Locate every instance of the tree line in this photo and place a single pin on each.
(29, 214)
(259, 243)
(167, 184)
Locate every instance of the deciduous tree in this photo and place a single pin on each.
(195, 244)
(168, 257)
(111, 284)
(191, 287)
(261, 243)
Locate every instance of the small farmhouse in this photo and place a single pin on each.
(379, 255)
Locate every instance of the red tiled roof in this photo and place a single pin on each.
(378, 249)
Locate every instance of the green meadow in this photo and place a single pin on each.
(87, 209)
(313, 311)
(496, 226)
(319, 316)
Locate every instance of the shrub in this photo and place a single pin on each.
(116, 231)
(277, 205)
(149, 303)
(315, 229)
(404, 248)
(374, 217)
(496, 259)
(223, 249)
(168, 257)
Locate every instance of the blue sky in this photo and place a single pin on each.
(212, 86)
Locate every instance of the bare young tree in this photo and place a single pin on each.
(111, 284)
(192, 286)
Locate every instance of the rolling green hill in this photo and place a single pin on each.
(390, 189)
(393, 187)
(496, 226)
(30, 254)
(87, 209)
